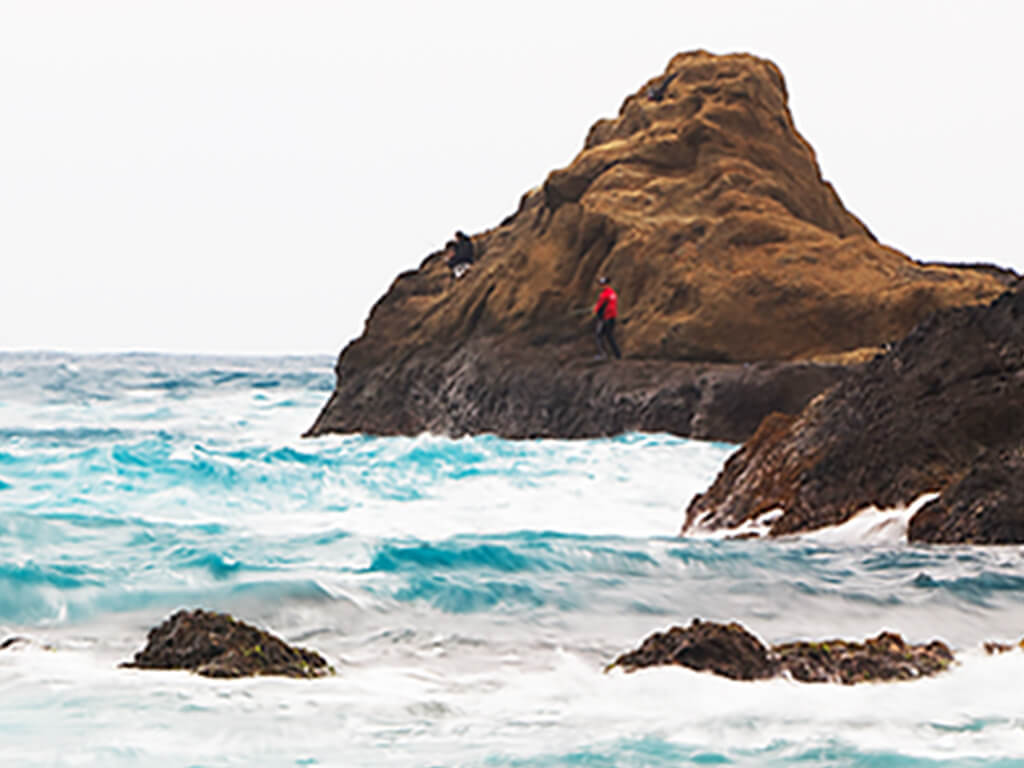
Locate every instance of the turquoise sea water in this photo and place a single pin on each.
(469, 592)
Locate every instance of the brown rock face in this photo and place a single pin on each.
(942, 412)
(708, 212)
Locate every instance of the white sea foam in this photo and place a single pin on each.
(869, 526)
(752, 528)
(397, 714)
(872, 526)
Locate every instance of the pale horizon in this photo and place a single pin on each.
(249, 177)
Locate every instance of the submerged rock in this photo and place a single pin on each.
(942, 412)
(218, 645)
(708, 211)
(730, 650)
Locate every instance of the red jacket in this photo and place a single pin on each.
(607, 305)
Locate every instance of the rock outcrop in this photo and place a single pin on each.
(725, 649)
(731, 651)
(218, 645)
(707, 210)
(942, 412)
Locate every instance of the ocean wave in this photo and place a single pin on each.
(61, 576)
(524, 552)
(103, 378)
(977, 589)
(471, 596)
(42, 597)
(63, 436)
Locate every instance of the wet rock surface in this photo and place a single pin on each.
(725, 649)
(984, 504)
(708, 211)
(732, 651)
(481, 388)
(942, 412)
(218, 645)
(885, 657)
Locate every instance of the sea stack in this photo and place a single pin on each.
(745, 286)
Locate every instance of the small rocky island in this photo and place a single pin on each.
(218, 645)
(732, 651)
(745, 286)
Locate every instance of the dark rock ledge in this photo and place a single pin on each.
(731, 651)
(218, 645)
(942, 412)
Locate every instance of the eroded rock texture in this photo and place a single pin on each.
(707, 209)
(218, 645)
(732, 651)
(942, 412)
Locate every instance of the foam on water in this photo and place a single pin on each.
(468, 591)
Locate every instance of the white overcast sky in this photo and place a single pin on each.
(249, 176)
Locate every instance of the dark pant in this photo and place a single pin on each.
(605, 329)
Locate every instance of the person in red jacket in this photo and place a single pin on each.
(606, 310)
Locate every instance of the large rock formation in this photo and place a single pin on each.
(942, 412)
(731, 651)
(708, 211)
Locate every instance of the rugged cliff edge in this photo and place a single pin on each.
(708, 211)
(942, 412)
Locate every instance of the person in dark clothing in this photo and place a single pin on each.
(657, 92)
(462, 255)
(606, 310)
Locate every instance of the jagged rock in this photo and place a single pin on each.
(730, 650)
(218, 645)
(708, 211)
(725, 649)
(984, 505)
(885, 657)
(942, 412)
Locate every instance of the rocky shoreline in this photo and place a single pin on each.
(942, 412)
